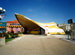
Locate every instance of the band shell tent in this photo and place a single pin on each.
(27, 23)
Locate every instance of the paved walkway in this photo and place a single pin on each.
(38, 45)
(64, 37)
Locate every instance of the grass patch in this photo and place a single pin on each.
(8, 39)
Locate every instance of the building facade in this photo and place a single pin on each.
(2, 27)
(65, 27)
(14, 27)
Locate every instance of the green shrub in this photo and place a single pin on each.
(1, 35)
(6, 35)
(13, 35)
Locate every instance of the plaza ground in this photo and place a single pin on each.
(38, 45)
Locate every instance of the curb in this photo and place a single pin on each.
(71, 41)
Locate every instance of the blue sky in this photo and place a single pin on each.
(43, 11)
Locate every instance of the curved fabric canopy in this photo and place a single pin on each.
(50, 28)
(26, 22)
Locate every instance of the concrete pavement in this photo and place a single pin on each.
(64, 37)
(38, 45)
